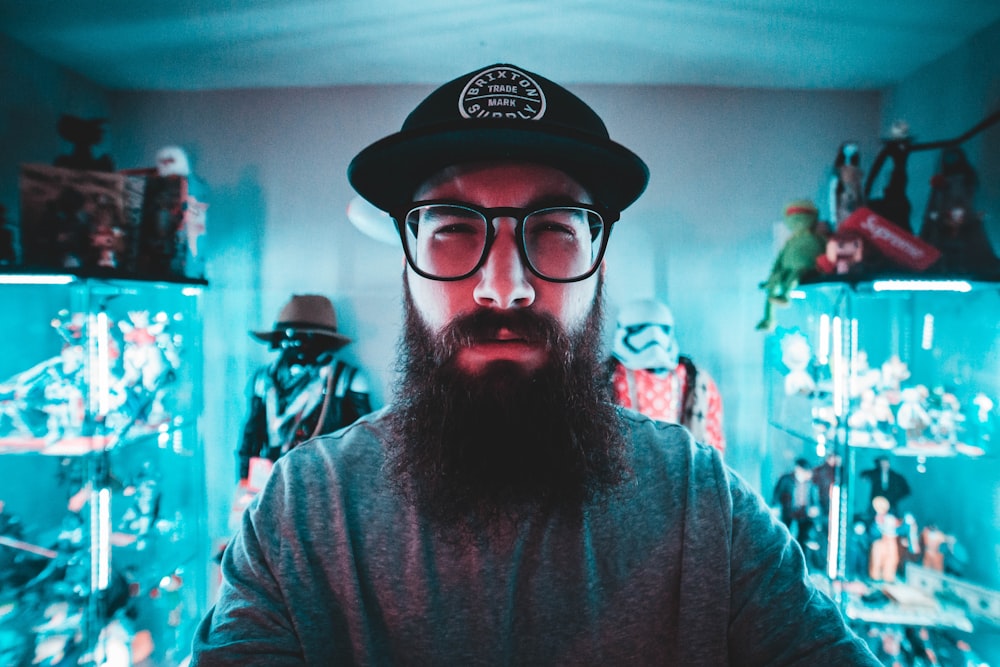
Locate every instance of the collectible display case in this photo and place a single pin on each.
(895, 384)
(103, 558)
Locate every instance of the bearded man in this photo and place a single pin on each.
(500, 510)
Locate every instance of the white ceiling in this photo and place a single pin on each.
(209, 44)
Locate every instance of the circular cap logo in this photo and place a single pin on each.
(502, 92)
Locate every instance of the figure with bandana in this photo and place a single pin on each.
(651, 376)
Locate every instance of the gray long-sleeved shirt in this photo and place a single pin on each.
(685, 566)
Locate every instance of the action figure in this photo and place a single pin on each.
(884, 557)
(846, 193)
(649, 375)
(84, 134)
(796, 501)
(893, 205)
(305, 392)
(952, 225)
(886, 483)
(796, 259)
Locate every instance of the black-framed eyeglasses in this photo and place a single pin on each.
(446, 240)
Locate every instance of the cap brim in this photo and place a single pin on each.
(388, 172)
(269, 336)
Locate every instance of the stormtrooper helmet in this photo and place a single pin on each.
(172, 161)
(644, 338)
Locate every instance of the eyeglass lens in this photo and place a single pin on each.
(447, 241)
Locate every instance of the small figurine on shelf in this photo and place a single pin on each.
(844, 254)
(952, 225)
(796, 501)
(893, 205)
(796, 355)
(932, 538)
(895, 371)
(84, 134)
(886, 483)
(141, 515)
(188, 257)
(796, 259)
(946, 416)
(846, 193)
(106, 236)
(883, 559)
(912, 415)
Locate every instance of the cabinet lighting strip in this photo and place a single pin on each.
(922, 286)
(34, 279)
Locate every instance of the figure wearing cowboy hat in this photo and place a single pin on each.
(305, 392)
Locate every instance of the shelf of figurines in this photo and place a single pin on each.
(169, 435)
(924, 597)
(892, 443)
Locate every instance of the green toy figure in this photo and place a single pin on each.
(797, 257)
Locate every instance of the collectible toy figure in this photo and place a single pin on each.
(893, 205)
(845, 185)
(844, 254)
(796, 259)
(952, 225)
(797, 357)
(305, 392)
(796, 501)
(884, 557)
(886, 483)
(84, 134)
(649, 374)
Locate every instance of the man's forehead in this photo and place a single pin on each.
(508, 178)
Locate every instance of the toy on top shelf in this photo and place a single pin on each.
(893, 205)
(951, 223)
(84, 134)
(846, 193)
(796, 259)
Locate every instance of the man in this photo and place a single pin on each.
(650, 375)
(501, 510)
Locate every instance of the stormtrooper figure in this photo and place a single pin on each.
(651, 376)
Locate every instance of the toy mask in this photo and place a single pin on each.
(645, 338)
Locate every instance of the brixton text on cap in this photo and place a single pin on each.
(499, 112)
(305, 313)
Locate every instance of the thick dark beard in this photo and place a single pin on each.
(472, 450)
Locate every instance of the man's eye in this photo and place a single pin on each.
(552, 227)
(456, 228)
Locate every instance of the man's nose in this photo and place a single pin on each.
(504, 279)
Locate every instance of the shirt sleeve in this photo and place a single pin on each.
(249, 624)
(777, 615)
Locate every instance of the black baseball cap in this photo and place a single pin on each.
(499, 112)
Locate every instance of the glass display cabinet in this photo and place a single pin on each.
(895, 385)
(103, 558)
